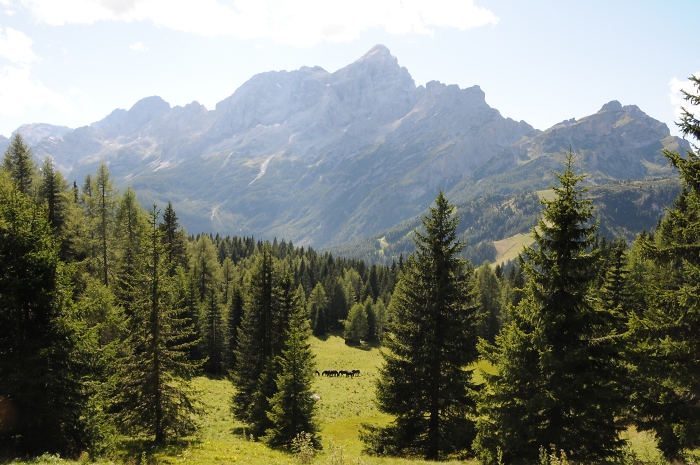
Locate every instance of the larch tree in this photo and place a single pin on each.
(557, 362)
(317, 309)
(154, 394)
(424, 381)
(105, 202)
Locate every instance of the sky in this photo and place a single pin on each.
(72, 62)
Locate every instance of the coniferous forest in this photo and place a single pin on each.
(109, 311)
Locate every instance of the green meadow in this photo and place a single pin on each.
(345, 403)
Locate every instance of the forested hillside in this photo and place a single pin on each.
(624, 209)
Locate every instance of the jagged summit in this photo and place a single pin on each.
(613, 105)
(379, 51)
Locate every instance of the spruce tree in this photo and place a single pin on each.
(52, 190)
(130, 228)
(154, 395)
(557, 380)
(213, 334)
(293, 407)
(424, 381)
(255, 344)
(19, 164)
(174, 239)
(233, 324)
(40, 379)
(489, 292)
(665, 339)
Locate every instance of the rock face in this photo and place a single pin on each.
(319, 157)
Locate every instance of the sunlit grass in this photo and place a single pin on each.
(345, 404)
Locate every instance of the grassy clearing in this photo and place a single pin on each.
(508, 249)
(547, 194)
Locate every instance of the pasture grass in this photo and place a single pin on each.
(509, 248)
(345, 404)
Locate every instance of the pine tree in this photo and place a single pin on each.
(431, 340)
(664, 333)
(557, 379)
(39, 377)
(293, 407)
(154, 395)
(19, 164)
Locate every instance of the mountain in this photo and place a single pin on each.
(325, 158)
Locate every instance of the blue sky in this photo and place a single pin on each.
(71, 62)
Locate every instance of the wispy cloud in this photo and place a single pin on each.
(19, 92)
(16, 46)
(295, 22)
(676, 96)
(139, 47)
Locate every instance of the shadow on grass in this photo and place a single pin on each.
(364, 345)
(144, 451)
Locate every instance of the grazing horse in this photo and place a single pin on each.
(355, 373)
(317, 373)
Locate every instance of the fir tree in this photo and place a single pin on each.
(293, 407)
(557, 379)
(431, 340)
(153, 394)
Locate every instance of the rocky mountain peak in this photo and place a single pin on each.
(378, 52)
(148, 109)
(613, 105)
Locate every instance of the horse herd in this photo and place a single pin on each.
(336, 373)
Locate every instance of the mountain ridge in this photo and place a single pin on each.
(324, 158)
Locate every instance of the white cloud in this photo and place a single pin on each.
(19, 92)
(295, 22)
(16, 46)
(139, 47)
(676, 97)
